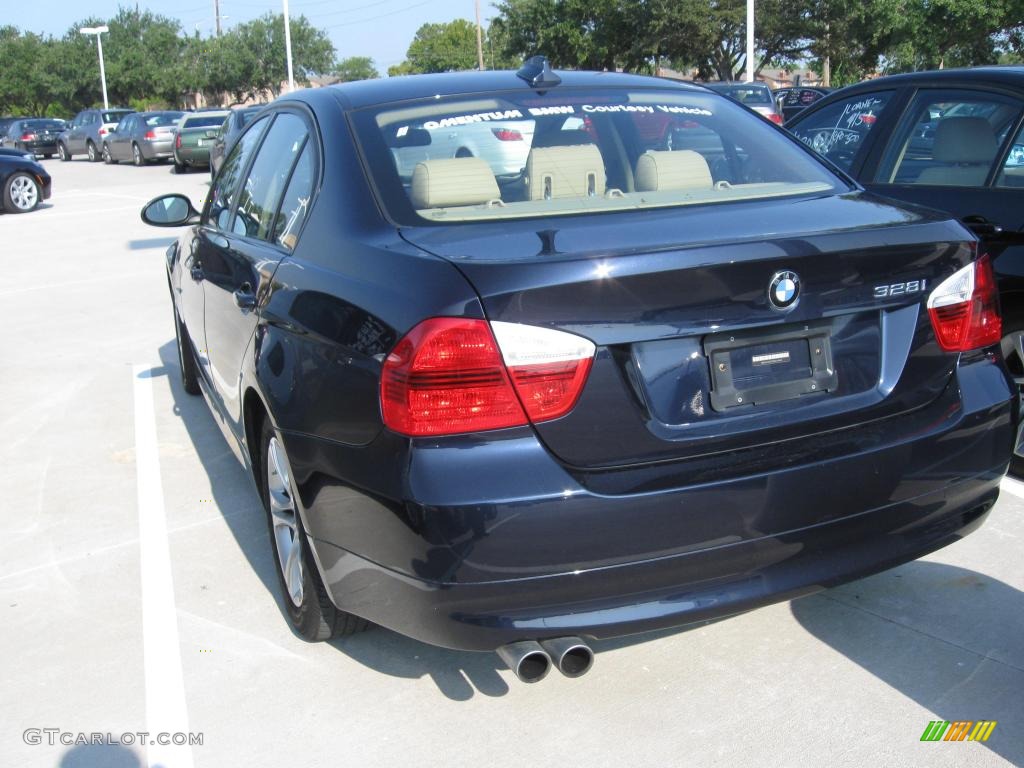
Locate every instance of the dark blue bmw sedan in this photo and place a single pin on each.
(522, 360)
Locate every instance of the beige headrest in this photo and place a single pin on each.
(684, 169)
(452, 182)
(556, 172)
(964, 140)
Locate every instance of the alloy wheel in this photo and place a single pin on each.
(285, 520)
(106, 155)
(136, 154)
(23, 192)
(92, 152)
(1013, 351)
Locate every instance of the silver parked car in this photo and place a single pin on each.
(142, 138)
(503, 144)
(86, 132)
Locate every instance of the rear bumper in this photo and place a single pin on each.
(658, 594)
(157, 150)
(492, 541)
(189, 156)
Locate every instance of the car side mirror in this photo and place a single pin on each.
(170, 211)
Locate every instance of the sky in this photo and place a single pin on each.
(381, 29)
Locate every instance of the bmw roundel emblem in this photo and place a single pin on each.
(784, 289)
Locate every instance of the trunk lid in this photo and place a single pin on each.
(693, 357)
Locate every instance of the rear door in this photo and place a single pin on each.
(120, 141)
(239, 262)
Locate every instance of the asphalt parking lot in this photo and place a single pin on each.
(139, 593)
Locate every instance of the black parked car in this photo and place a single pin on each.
(227, 133)
(37, 135)
(522, 410)
(24, 183)
(952, 140)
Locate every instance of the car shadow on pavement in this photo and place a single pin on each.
(459, 675)
(946, 637)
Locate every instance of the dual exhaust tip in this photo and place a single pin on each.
(531, 661)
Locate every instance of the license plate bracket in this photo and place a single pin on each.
(757, 367)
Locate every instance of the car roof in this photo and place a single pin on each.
(365, 93)
(1007, 74)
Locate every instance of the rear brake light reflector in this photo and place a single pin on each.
(964, 308)
(28, 137)
(776, 118)
(507, 134)
(177, 141)
(548, 367)
(454, 375)
(149, 135)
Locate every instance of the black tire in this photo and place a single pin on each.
(180, 167)
(137, 159)
(62, 152)
(16, 188)
(92, 152)
(107, 157)
(186, 358)
(315, 618)
(49, 156)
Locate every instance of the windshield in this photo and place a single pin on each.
(157, 119)
(573, 151)
(43, 125)
(206, 121)
(744, 94)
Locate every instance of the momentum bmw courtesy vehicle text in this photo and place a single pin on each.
(620, 388)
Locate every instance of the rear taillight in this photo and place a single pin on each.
(775, 117)
(28, 137)
(177, 141)
(453, 375)
(103, 130)
(149, 135)
(507, 134)
(964, 308)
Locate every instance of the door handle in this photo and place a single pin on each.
(244, 297)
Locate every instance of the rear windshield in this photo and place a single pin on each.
(44, 125)
(162, 118)
(744, 94)
(569, 151)
(115, 117)
(205, 121)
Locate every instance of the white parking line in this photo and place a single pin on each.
(1012, 487)
(166, 711)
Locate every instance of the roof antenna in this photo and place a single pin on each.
(537, 73)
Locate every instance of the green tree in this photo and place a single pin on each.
(448, 47)
(356, 68)
(263, 40)
(27, 82)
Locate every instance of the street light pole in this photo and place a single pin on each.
(750, 41)
(288, 48)
(98, 31)
(479, 39)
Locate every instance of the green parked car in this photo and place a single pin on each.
(196, 134)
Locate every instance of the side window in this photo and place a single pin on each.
(261, 193)
(225, 188)
(948, 138)
(1012, 174)
(838, 131)
(295, 203)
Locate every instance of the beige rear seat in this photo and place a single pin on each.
(559, 172)
(452, 182)
(661, 171)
